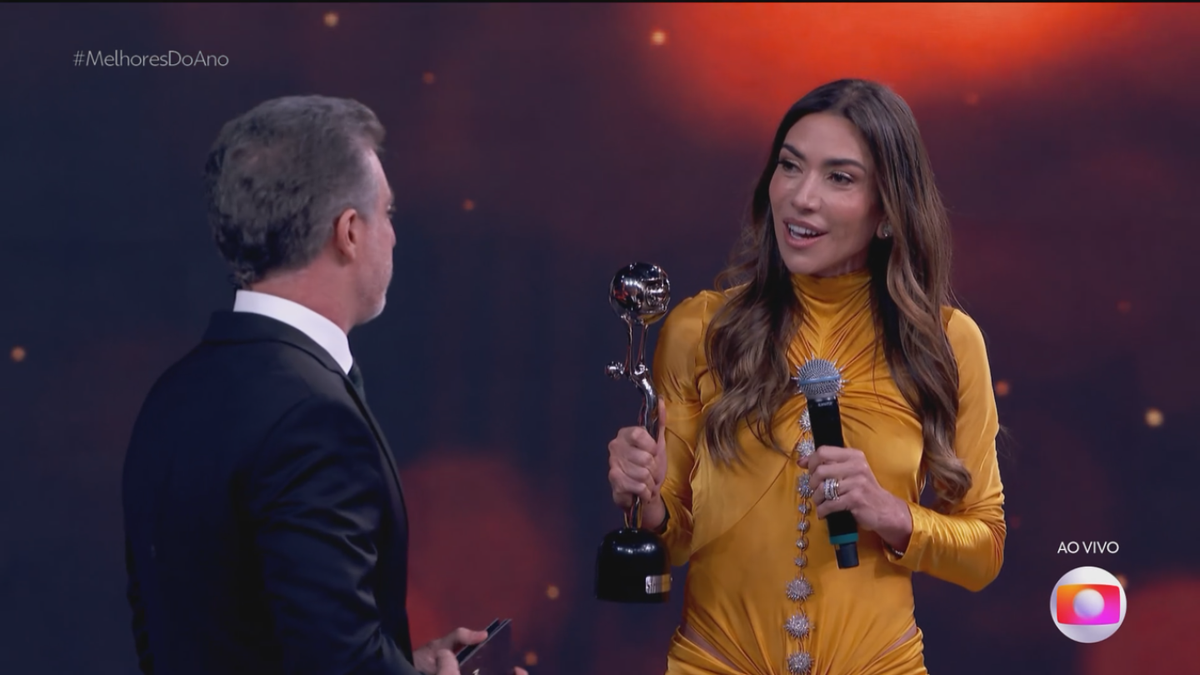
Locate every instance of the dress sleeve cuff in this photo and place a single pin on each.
(675, 530)
(917, 541)
(662, 527)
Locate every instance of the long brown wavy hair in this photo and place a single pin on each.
(910, 283)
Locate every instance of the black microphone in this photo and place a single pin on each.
(821, 382)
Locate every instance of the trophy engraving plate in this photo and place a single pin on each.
(660, 583)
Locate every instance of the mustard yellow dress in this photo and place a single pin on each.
(762, 588)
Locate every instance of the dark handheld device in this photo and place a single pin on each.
(493, 656)
(821, 382)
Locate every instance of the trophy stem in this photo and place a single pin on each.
(633, 517)
(641, 344)
(629, 349)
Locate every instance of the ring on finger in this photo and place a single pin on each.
(831, 489)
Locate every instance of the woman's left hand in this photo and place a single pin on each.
(858, 492)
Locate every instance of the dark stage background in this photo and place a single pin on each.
(536, 149)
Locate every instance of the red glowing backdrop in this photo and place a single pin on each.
(534, 150)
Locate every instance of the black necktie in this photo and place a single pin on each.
(356, 379)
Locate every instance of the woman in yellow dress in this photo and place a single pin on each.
(846, 258)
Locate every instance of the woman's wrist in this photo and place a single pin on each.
(898, 532)
(654, 515)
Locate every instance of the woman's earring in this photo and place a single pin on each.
(886, 231)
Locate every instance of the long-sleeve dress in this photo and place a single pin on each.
(763, 587)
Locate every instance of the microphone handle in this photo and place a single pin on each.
(843, 528)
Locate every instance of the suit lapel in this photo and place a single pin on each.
(387, 449)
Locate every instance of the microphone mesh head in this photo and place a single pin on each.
(819, 380)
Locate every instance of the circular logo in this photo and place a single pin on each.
(1088, 604)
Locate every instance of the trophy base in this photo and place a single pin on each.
(633, 567)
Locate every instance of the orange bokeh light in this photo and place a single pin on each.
(1154, 417)
(478, 492)
(757, 59)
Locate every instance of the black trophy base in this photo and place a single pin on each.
(633, 566)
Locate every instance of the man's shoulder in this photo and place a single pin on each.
(269, 362)
(255, 379)
(232, 400)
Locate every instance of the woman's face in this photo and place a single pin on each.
(823, 197)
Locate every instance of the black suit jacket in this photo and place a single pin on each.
(265, 526)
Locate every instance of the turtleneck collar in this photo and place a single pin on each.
(833, 291)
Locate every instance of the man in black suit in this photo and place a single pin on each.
(266, 529)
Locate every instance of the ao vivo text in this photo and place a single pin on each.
(1088, 547)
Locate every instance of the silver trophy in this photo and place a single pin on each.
(633, 564)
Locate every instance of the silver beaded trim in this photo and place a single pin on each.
(797, 626)
(805, 489)
(799, 589)
(800, 663)
(805, 447)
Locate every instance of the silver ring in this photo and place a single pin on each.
(831, 489)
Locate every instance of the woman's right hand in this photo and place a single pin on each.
(637, 463)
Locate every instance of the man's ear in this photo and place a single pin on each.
(345, 237)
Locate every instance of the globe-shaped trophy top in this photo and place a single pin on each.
(640, 293)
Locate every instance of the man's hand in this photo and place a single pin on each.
(426, 659)
(438, 657)
(447, 663)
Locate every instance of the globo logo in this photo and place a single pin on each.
(1088, 604)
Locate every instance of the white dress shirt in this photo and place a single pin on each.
(321, 330)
